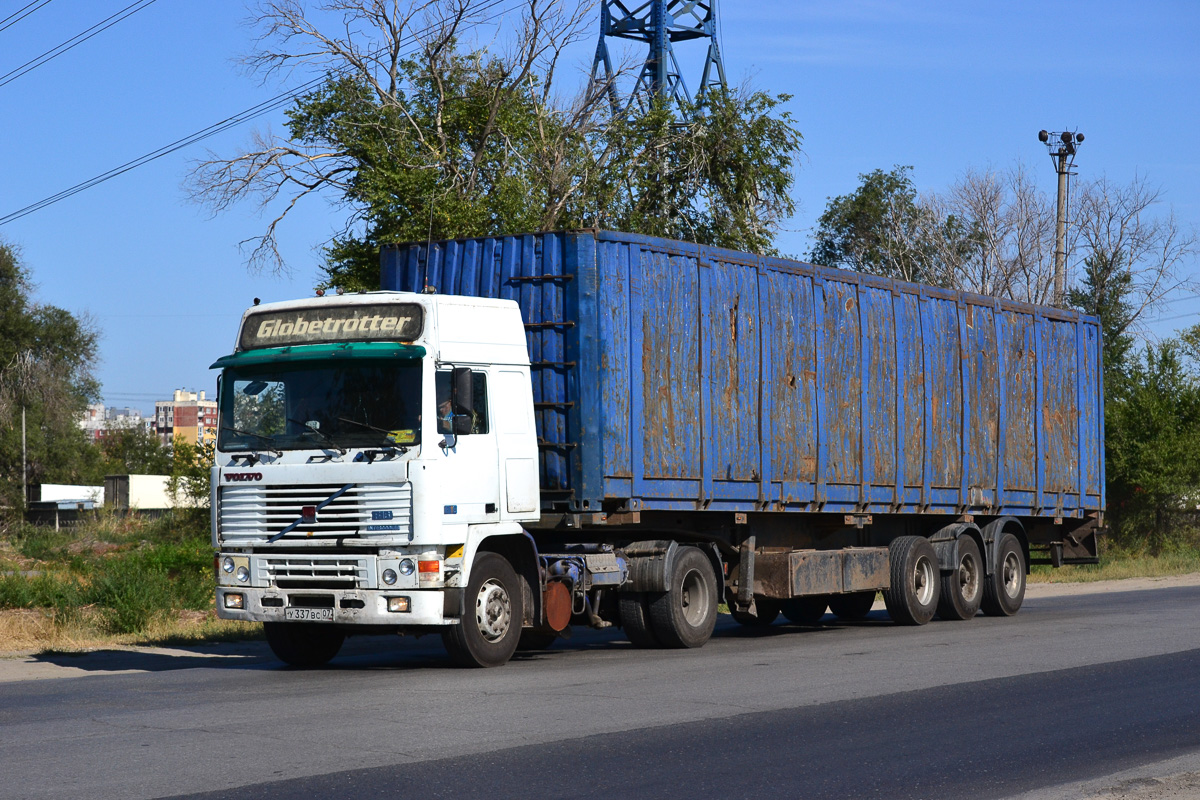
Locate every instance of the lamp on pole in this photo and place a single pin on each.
(1062, 146)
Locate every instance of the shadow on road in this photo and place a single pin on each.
(371, 653)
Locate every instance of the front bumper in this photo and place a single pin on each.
(345, 606)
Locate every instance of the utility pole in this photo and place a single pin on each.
(1062, 147)
(24, 460)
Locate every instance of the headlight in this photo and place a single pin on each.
(227, 564)
(243, 574)
(389, 576)
(235, 601)
(397, 604)
(407, 566)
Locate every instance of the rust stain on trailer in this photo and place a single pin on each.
(1018, 358)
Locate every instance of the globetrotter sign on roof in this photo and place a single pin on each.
(393, 322)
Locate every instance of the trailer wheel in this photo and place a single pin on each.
(806, 610)
(635, 619)
(768, 609)
(853, 606)
(912, 598)
(962, 588)
(1004, 589)
(684, 615)
(303, 644)
(491, 622)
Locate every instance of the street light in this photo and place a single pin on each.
(1062, 147)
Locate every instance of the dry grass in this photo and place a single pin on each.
(1121, 565)
(34, 630)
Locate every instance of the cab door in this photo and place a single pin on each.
(472, 489)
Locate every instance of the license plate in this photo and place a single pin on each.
(309, 614)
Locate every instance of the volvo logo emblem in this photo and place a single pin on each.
(243, 476)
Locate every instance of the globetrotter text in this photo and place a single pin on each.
(273, 328)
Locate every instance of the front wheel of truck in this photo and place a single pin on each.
(303, 644)
(490, 628)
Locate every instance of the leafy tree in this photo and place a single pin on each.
(1104, 293)
(883, 227)
(443, 141)
(1153, 444)
(722, 177)
(191, 477)
(134, 450)
(46, 359)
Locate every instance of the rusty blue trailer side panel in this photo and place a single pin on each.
(668, 375)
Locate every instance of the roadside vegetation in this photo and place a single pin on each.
(112, 579)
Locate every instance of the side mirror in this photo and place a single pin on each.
(462, 391)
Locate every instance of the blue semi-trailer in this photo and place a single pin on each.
(684, 426)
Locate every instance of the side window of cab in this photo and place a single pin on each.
(445, 413)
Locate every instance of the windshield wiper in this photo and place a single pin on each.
(270, 440)
(371, 454)
(311, 427)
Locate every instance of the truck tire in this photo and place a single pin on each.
(303, 644)
(635, 619)
(853, 606)
(767, 608)
(912, 598)
(805, 610)
(1004, 589)
(685, 614)
(490, 628)
(962, 588)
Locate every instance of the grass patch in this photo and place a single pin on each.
(1118, 563)
(111, 576)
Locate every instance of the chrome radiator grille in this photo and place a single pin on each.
(252, 514)
(325, 572)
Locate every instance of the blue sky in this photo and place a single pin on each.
(940, 86)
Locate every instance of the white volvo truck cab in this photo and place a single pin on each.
(375, 463)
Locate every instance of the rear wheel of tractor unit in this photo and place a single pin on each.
(916, 578)
(962, 589)
(490, 627)
(303, 644)
(767, 607)
(1004, 589)
(805, 610)
(684, 615)
(853, 606)
(635, 619)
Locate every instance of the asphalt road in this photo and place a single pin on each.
(1071, 690)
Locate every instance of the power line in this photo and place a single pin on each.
(74, 41)
(267, 106)
(5, 24)
(1177, 316)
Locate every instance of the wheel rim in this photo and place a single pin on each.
(923, 577)
(1013, 576)
(968, 578)
(493, 610)
(693, 598)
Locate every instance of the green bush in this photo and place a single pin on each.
(129, 594)
(128, 568)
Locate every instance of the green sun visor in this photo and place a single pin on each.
(321, 352)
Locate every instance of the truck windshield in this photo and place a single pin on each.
(307, 406)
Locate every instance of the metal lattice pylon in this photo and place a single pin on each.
(659, 23)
